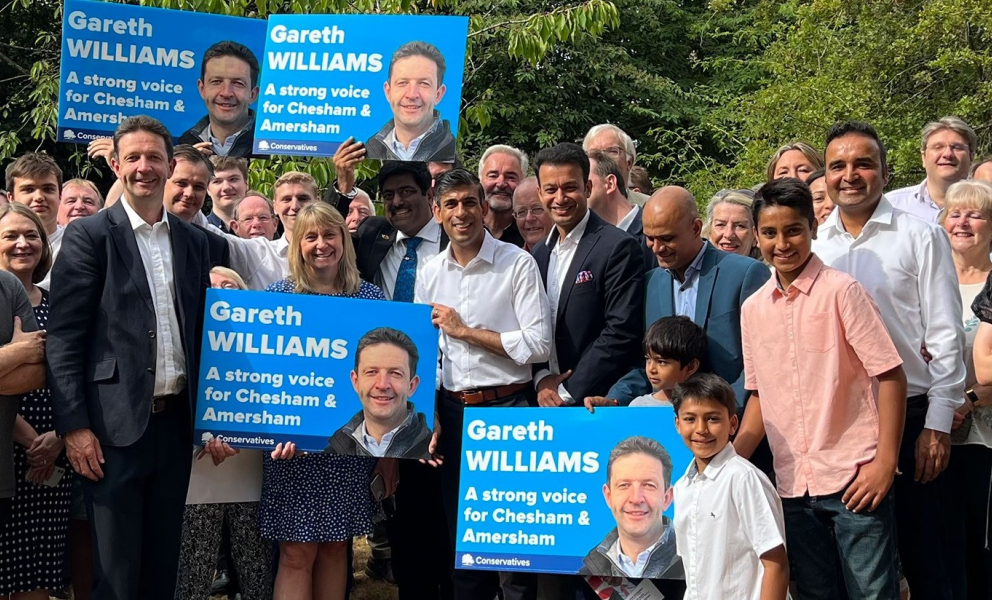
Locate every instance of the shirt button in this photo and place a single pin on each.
(150, 370)
(151, 333)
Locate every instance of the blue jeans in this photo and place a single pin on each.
(826, 541)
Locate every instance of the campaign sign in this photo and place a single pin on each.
(277, 368)
(121, 60)
(325, 79)
(532, 492)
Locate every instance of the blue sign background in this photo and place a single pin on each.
(362, 35)
(175, 41)
(322, 317)
(575, 430)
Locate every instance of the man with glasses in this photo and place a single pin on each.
(615, 142)
(947, 151)
(254, 217)
(532, 220)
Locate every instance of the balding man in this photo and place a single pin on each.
(698, 281)
(615, 142)
(982, 171)
(532, 219)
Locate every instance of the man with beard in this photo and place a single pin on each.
(228, 85)
(501, 169)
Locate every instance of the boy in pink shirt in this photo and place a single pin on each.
(813, 342)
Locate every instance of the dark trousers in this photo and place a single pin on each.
(476, 585)
(968, 478)
(923, 543)
(422, 555)
(136, 510)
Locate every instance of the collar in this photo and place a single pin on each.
(625, 222)
(207, 136)
(882, 215)
(431, 232)
(924, 193)
(615, 553)
(487, 252)
(393, 142)
(716, 465)
(361, 434)
(693, 269)
(281, 245)
(574, 235)
(136, 221)
(803, 283)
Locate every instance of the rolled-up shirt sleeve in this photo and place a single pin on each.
(532, 342)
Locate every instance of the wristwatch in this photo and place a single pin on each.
(970, 393)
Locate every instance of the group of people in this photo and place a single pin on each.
(812, 331)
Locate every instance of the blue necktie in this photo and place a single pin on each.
(406, 278)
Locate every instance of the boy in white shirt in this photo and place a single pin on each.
(731, 534)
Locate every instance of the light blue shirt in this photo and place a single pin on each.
(632, 568)
(368, 442)
(223, 148)
(684, 294)
(407, 153)
(915, 200)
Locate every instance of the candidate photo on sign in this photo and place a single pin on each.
(638, 490)
(384, 379)
(413, 88)
(228, 85)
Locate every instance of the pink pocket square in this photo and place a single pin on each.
(583, 277)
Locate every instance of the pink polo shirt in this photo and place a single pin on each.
(811, 353)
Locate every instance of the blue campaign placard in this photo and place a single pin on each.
(277, 368)
(324, 80)
(121, 60)
(531, 494)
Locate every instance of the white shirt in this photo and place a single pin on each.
(389, 268)
(915, 200)
(561, 259)
(368, 442)
(726, 518)
(625, 222)
(499, 290)
(905, 264)
(55, 243)
(155, 248)
(259, 261)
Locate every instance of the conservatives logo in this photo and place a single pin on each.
(263, 145)
(467, 560)
(69, 134)
(206, 437)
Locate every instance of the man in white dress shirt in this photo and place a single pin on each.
(487, 347)
(947, 150)
(905, 264)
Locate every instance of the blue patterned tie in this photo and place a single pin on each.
(406, 278)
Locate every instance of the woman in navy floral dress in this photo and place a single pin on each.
(313, 504)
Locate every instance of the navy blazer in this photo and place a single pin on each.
(101, 345)
(636, 229)
(725, 281)
(599, 323)
(373, 240)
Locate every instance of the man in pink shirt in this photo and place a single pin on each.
(813, 342)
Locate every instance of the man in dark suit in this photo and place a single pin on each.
(593, 273)
(127, 302)
(711, 285)
(610, 200)
(421, 557)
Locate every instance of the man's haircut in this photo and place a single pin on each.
(815, 175)
(230, 163)
(638, 444)
(561, 155)
(299, 178)
(858, 128)
(85, 183)
(456, 178)
(705, 386)
(418, 170)
(640, 179)
(393, 337)
(676, 338)
(516, 153)
(788, 192)
(424, 49)
(815, 158)
(194, 157)
(229, 48)
(254, 194)
(629, 148)
(954, 124)
(605, 166)
(45, 262)
(32, 165)
(143, 123)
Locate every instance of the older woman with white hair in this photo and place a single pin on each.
(728, 224)
(967, 218)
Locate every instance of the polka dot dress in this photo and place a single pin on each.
(33, 545)
(317, 497)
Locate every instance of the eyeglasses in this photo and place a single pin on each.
(955, 148)
(614, 151)
(537, 211)
(226, 285)
(263, 219)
